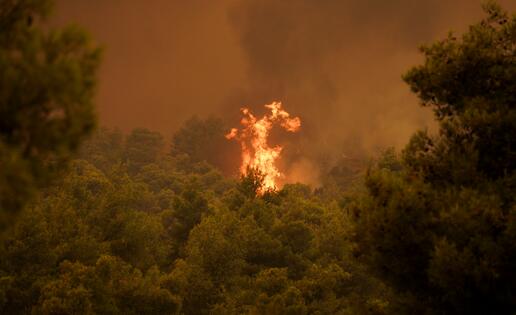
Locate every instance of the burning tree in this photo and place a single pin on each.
(256, 152)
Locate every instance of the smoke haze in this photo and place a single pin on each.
(336, 64)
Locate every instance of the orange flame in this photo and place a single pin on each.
(256, 152)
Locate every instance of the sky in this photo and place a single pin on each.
(335, 64)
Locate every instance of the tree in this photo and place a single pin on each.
(443, 226)
(142, 147)
(47, 80)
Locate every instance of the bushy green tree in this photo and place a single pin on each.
(47, 80)
(278, 253)
(443, 226)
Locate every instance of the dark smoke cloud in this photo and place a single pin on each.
(337, 64)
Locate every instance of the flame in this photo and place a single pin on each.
(256, 152)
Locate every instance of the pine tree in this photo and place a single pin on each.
(443, 228)
(47, 80)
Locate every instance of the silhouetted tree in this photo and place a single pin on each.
(443, 227)
(47, 80)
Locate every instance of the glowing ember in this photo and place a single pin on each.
(256, 153)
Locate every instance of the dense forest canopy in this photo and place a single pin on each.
(145, 223)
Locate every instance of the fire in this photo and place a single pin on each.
(256, 152)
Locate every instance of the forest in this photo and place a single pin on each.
(94, 220)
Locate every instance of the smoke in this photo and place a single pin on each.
(303, 171)
(336, 64)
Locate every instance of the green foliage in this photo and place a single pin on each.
(442, 226)
(142, 147)
(471, 87)
(173, 236)
(110, 286)
(47, 80)
(264, 257)
(131, 229)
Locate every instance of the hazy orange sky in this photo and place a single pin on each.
(336, 64)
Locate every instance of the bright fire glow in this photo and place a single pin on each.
(256, 152)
